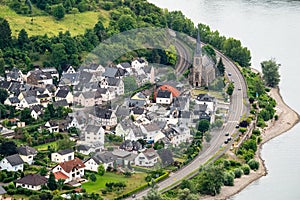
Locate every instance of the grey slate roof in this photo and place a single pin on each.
(5, 84)
(125, 65)
(26, 151)
(103, 113)
(62, 93)
(113, 81)
(92, 128)
(166, 156)
(14, 100)
(15, 87)
(14, 160)
(30, 100)
(33, 179)
(138, 110)
(60, 103)
(14, 73)
(163, 94)
(64, 152)
(138, 103)
(205, 97)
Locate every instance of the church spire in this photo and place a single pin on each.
(198, 45)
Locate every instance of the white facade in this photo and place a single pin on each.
(57, 157)
(5, 165)
(29, 187)
(144, 161)
(72, 175)
(91, 165)
(28, 159)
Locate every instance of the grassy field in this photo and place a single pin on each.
(41, 25)
(44, 147)
(133, 182)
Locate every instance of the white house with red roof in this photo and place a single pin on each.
(69, 170)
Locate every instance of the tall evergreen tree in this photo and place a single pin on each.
(5, 34)
(22, 38)
(52, 185)
(221, 67)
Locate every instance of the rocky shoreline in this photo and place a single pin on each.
(287, 119)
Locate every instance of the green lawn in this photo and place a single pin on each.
(41, 25)
(133, 182)
(44, 147)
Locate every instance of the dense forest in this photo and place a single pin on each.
(25, 51)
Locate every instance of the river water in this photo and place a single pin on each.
(270, 29)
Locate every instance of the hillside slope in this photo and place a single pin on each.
(75, 23)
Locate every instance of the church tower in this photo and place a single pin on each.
(197, 64)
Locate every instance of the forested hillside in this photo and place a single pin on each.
(23, 50)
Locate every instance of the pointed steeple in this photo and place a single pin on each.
(198, 45)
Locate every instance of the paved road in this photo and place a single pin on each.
(237, 109)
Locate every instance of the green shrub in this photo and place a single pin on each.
(256, 132)
(228, 179)
(238, 173)
(276, 117)
(246, 169)
(253, 164)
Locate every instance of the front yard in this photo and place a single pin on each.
(132, 182)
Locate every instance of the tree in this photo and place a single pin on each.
(22, 38)
(58, 11)
(64, 143)
(5, 34)
(93, 177)
(101, 170)
(60, 184)
(186, 194)
(25, 116)
(129, 84)
(126, 22)
(8, 148)
(152, 195)
(210, 180)
(228, 179)
(59, 55)
(52, 185)
(221, 67)
(203, 125)
(230, 88)
(270, 72)
(253, 164)
(3, 95)
(100, 31)
(43, 171)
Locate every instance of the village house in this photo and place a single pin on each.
(12, 101)
(115, 83)
(147, 158)
(129, 131)
(153, 132)
(87, 148)
(15, 75)
(94, 133)
(114, 72)
(164, 97)
(52, 71)
(64, 94)
(177, 135)
(85, 99)
(105, 117)
(32, 182)
(28, 102)
(12, 163)
(62, 156)
(69, 170)
(27, 153)
(39, 78)
(139, 63)
(52, 126)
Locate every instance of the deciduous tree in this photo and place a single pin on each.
(270, 72)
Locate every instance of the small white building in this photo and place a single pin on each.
(27, 153)
(32, 182)
(164, 97)
(64, 94)
(62, 156)
(147, 158)
(12, 163)
(94, 133)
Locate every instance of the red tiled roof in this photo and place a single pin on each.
(171, 89)
(60, 175)
(68, 166)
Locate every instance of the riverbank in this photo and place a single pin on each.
(287, 119)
